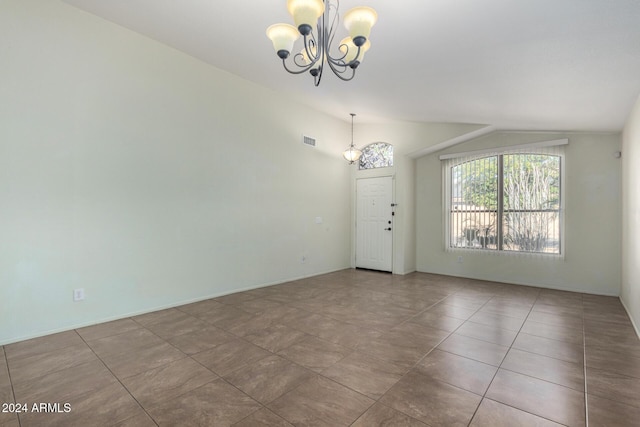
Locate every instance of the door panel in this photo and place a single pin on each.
(374, 228)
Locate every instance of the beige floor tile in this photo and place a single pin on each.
(554, 332)
(261, 321)
(456, 370)
(544, 399)
(200, 307)
(214, 404)
(438, 321)
(545, 368)
(154, 317)
(259, 305)
(159, 385)
(497, 320)
(200, 340)
(140, 420)
(365, 374)
(557, 319)
(472, 348)
(314, 353)
(383, 416)
(224, 316)
(427, 337)
(446, 308)
(613, 386)
(268, 378)
(495, 414)
(177, 325)
(61, 386)
(321, 402)
(9, 419)
(37, 346)
(263, 418)
(275, 338)
(38, 365)
(490, 334)
(236, 298)
(231, 355)
(103, 330)
(605, 412)
(568, 352)
(134, 362)
(131, 341)
(105, 406)
(432, 402)
(367, 335)
(470, 300)
(402, 349)
(613, 360)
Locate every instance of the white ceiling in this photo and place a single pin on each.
(513, 64)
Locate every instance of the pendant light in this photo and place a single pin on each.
(352, 154)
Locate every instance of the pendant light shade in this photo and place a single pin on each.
(352, 154)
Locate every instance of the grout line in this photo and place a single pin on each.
(584, 367)
(504, 357)
(13, 392)
(484, 396)
(119, 381)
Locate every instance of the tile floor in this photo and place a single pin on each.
(351, 348)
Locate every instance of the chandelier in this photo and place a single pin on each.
(317, 50)
(352, 154)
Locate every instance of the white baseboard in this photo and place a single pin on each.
(161, 307)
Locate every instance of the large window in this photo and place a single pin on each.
(505, 202)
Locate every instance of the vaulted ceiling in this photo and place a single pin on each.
(511, 64)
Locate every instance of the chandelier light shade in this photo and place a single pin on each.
(282, 36)
(318, 50)
(352, 154)
(359, 20)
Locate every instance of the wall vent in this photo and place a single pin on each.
(308, 140)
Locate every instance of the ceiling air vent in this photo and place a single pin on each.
(308, 140)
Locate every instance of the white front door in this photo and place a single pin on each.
(374, 223)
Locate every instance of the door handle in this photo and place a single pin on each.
(388, 229)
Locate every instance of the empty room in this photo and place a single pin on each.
(319, 213)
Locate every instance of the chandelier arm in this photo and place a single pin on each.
(300, 71)
(308, 44)
(331, 32)
(339, 73)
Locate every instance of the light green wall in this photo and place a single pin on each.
(630, 294)
(147, 177)
(592, 220)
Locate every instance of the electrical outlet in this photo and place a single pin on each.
(303, 259)
(460, 259)
(78, 294)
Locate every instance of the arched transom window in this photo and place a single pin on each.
(377, 155)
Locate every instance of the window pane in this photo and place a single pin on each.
(531, 203)
(474, 204)
(377, 155)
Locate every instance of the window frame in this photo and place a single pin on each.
(547, 148)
